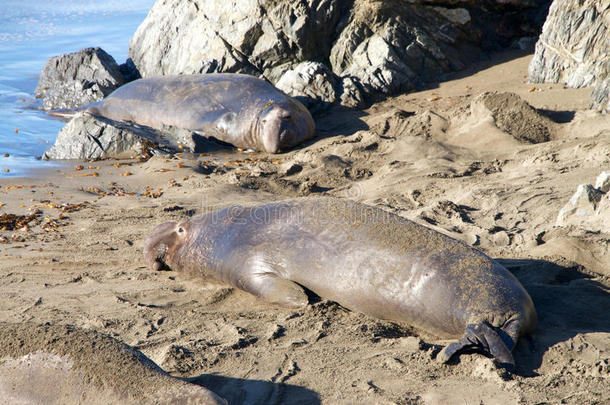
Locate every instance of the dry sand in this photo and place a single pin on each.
(437, 157)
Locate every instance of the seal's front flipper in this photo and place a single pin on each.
(275, 289)
(480, 337)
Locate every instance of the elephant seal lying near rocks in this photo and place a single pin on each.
(57, 364)
(239, 109)
(362, 257)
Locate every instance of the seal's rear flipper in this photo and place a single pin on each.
(481, 337)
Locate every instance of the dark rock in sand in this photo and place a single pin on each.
(573, 48)
(74, 79)
(89, 137)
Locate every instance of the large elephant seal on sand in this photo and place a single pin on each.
(57, 364)
(239, 109)
(362, 257)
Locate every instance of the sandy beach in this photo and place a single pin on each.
(451, 158)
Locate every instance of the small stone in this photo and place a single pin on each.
(410, 344)
(293, 169)
(581, 205)
(501, 238)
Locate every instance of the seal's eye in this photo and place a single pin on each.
(180, 230)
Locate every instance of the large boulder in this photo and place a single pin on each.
(338, 50)
(89, 137)
(573, 48)
(250, 36)
(78, 78)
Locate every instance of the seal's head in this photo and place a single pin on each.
(163, 243)
(283, 125)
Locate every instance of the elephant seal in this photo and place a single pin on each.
(63, 364)
(362, 257)
(239, 109)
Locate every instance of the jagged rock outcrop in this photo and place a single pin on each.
(373, 48)
(88, 137)
(573, 48)
(316, 86)
(589, 207)
(250, 36)
(78, 78)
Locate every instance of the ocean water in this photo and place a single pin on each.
(30, 33)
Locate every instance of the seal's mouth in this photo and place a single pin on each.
(154, 256)
(157, 245)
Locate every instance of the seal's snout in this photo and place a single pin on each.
(284, 126)
(160, 243)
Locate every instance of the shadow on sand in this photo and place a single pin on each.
(568, 301)
(252, 392)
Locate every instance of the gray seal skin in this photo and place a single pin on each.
(362, 257)
(239, 109)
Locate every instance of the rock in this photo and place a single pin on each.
(74, 79)
(375, 48)
(526, 43)
(459, 16)
(581, 206)
(250, 36)
(516, 117)
(312, 83)
(501, 238)
(89, 137)
(602, 183)
(391, 47)
(573, 47)
(351, 93)
(600, 96)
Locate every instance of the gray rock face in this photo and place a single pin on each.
(74, 79)
(600, 96)
(573, 48)
(373, 48)
(205, 36)
(88, 137)
(312, 83)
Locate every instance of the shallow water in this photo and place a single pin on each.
(30, 33)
